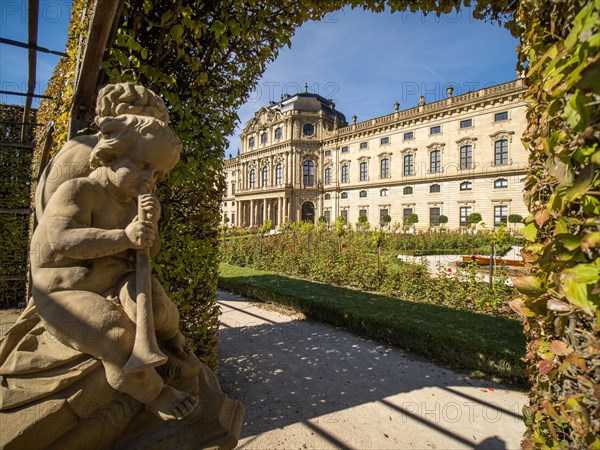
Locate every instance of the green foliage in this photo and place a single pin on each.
(474, 218)
(15, 184)
(443, 219)
(411, 220)
(515, 218)
(459, 339)
(560, 48)
(361, 261)
(265, 227)
(385, 221)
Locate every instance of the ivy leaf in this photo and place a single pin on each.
(577, 112)
(545, 366)
(560, 348)
(529, 232)
(582, 183)
(528, 285)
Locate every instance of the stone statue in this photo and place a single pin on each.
(97, 353)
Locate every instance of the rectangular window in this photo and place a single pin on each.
(405, 213)
(344, 214)
(233, 218)
(465, 211)
(345, 149)
(385, 168)
(327, 216)
(409, 135)
(499, 117)
(364, 169)
(409, 168)
(501, 152)
(382, 213)
(500, 214)
(345, 174)
(435, 161)
(385, 140)
(364, 145)
(362, 212)
(434, 217)
(467, 123)
(328, 175)
(327, 152)
(466, 157)
(435, 130)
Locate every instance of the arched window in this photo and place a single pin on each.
(466, 186)
(501, 152)
(408, 190)
(384, 192)
(308, 129)
(466, 157)
(409, 165)
(500, 183)
(327, 196)
(345, 174)
(252, 179)
(328, 175)
(435, 161)
(435, 188)
(278, 133)
(364, 171)
(362, 194)
(384, 168)
(263, 138)
(309, 173)
(278, 174)
(265, 177)
(308, 212)
(233, 188)
(344, 195)
(251, 142)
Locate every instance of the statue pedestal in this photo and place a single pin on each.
(214, 424)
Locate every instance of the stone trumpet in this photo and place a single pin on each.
(145, 353)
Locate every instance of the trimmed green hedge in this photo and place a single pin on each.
(459, 339)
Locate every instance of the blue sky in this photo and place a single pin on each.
(363, 61)
(52, 34)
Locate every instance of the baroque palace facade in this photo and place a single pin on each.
(300, 160)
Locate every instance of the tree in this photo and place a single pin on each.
(411, 220)
(363, 223)
(443, 219)
(474, 218)
(340, 230)
(385, 221)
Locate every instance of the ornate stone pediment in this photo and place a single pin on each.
(466, 141)
(502, 134)
(409, 150)
(263, 118)
(435, 145)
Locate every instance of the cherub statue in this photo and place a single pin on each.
(84, 315)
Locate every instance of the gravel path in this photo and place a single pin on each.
(309, 385)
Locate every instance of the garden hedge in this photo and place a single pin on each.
(205, 58)
(15, 179)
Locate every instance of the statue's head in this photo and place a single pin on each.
(129, 98)
(139, 140)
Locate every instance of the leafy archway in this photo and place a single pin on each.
(204, 59)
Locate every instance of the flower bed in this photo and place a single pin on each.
(354, 261)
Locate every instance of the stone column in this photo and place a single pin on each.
(269, 210)
(264, 215)
(251, 213)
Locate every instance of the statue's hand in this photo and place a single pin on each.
(141, 233)
(151, 207)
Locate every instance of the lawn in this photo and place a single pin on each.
(459, 339)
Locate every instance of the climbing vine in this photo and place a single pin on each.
(560, 53)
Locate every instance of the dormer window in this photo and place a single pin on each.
(251, 142)
(308, 129)
(278, 134)
(263, 138)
